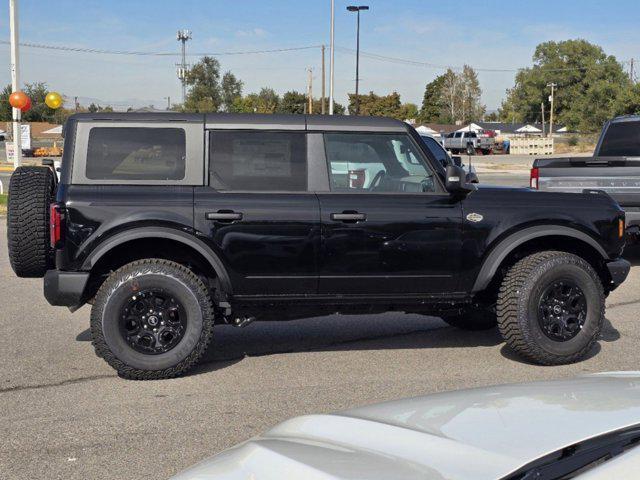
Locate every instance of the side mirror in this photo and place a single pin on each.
(457, 160)
(456, 181)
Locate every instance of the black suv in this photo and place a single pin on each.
(170, 223)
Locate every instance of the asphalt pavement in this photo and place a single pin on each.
(66, 415)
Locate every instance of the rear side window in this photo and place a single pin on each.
(258, 161)
(115, 153)
(621, 140)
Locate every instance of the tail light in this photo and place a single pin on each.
(357, 178)
(55, 225)
(534, 178)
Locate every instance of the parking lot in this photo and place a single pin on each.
(65, 414)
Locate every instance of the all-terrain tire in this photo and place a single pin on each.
(473, 319)
(171, 277)
(518, 307)
(31, 191)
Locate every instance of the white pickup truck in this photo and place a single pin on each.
(469, 142)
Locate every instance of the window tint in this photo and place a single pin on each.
(437, 151)
(471, 135)
(376, 163)
(258, 161)
(621, 140)
(123, 153)
(457, 135)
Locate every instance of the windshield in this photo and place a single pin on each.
(437, 151)
(577, 459)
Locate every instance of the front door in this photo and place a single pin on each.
(388, 226)
(257, 214)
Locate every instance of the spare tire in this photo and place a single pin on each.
(31, 191)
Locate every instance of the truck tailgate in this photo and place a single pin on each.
(619, 177)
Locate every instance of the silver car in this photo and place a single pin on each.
(587, 428)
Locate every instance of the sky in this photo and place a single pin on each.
(489, 34)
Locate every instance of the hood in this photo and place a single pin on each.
(483, 433)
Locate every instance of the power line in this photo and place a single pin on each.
(404, 61)
(156, 54)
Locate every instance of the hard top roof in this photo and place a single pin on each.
(256, 120)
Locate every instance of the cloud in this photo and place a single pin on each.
(252, 32)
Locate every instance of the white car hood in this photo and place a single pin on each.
(484, 433)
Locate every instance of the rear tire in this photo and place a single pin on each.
(31, 192)
(470, 150)
(152, 319)
(551, 308)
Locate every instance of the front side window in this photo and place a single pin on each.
(258, 161)
(131, 153)
(376, 163)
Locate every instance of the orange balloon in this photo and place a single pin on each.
(27, 106)
(18, 100)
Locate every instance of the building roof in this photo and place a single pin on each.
(517, 127)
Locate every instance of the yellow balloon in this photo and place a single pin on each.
(53, 100)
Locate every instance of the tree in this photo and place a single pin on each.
(590, 86)
(5, 107)
(231, 89)
(93, 108)
(460, 96)
(410, 111)
(472, 109)
(293, 102)
(378, 105)
(205, 93)
(431, 111)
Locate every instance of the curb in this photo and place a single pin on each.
(6, 169)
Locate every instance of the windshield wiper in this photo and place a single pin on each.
(565, 463)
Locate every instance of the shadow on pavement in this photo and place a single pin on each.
(609, 334)
(348, 333)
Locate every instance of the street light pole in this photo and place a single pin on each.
(353, 8)
(331, 54)
(553, 86)
(15, 81)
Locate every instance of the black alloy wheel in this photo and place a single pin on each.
(153, 321)
(562, 310)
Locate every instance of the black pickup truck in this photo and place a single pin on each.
(613, 168)
(170, 223)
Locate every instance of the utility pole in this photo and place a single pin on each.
(75, 102)
(357, 9)
(331, 55)
(543, 129)
(183, 36)
(631, 72)
(322, 110)
(310, 92)
(553, 86)
(168, 103)
(15, 81)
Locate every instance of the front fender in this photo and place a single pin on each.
(507, 245)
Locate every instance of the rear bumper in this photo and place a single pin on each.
(618, 270)
(65, 288)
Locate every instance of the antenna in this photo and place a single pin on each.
(183, 36)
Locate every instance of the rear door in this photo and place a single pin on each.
(258, 213)
(398, 233)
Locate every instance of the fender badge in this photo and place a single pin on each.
(474, 217)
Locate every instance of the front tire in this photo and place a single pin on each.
(551, 308)
(152, 319)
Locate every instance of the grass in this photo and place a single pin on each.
(3, 204)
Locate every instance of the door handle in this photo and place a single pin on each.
(349, 217)
(224, 215)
